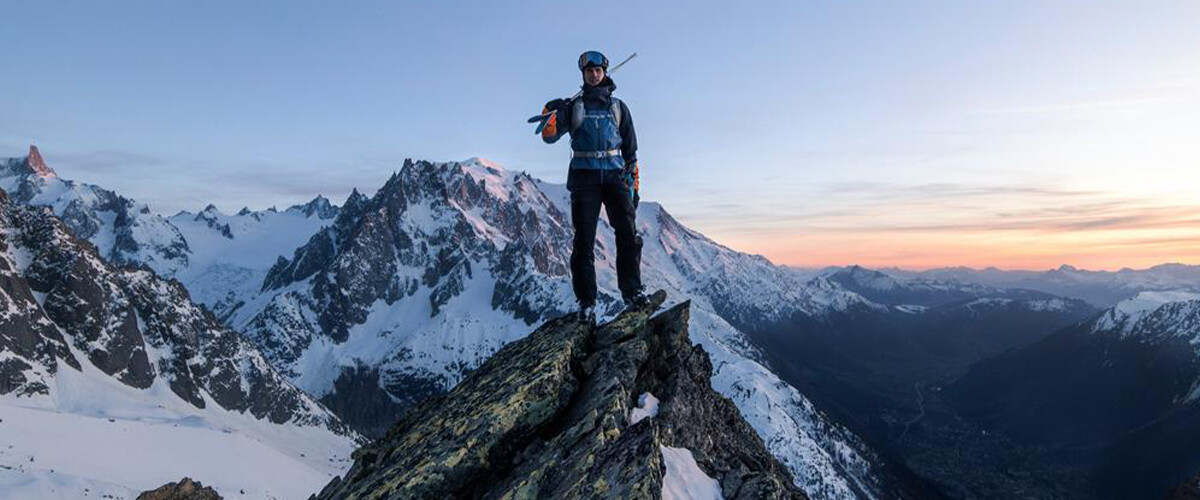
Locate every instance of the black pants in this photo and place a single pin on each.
(585, 214)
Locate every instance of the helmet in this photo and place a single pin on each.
(592, 58)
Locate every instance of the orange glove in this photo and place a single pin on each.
(550, 131)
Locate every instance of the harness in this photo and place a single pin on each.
(596, 154)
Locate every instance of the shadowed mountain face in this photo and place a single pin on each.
(1119, 395)
(879, 367)
(558, 415)
(862, 363)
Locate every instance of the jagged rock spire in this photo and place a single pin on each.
(37, 165)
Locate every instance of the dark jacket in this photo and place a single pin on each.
(598, 98)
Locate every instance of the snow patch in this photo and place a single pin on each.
(911, 308)
(683, 479)
(647, 408)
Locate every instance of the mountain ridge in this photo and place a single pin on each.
(557, 415)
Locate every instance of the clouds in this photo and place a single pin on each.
(936, 224)
(170, 183)
(102, 162)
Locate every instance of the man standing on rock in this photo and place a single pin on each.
(604, 170)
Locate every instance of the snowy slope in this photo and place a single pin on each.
(231, 254)
(93, 435)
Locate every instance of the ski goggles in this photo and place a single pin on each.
(592, 58)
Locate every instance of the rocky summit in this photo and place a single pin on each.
(622, 410)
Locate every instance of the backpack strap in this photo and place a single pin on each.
(577, 114)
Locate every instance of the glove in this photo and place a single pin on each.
(630, 174)
(557, 105)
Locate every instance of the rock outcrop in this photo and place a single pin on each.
(185, 489)
(37, 166)
(573, 411)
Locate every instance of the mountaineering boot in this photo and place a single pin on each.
(637, 300)
(586, 314)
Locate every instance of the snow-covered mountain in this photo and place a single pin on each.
(112, 380)
(122, 230)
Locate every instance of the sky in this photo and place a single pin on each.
(1015, 134)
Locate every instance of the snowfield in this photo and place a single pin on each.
(93, 435)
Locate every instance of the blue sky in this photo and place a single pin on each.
(1015, 133)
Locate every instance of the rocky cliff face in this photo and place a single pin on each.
(573, 411)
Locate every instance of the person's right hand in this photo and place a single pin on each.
(556, 105)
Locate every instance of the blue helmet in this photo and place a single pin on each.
(592, 58)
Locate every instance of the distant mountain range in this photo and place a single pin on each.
(1100, 288)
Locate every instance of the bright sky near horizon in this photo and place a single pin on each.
(1019, 134)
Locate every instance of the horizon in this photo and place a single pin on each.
(1022, 136)
(809, 268)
